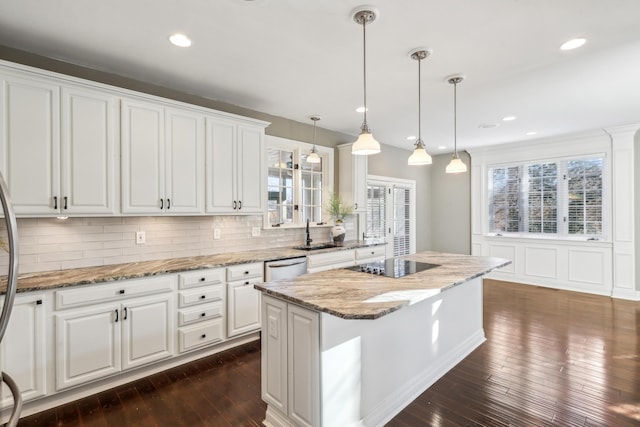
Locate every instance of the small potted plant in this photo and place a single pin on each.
(338, 211)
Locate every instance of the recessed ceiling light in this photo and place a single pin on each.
(531, 133)
(573, 44)
(361, 110)
(488, 125)
(509, 118)
(411, 138)
(180, 40)
(442, 147)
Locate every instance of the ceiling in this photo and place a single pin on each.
(296, 58)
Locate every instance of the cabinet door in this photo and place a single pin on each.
(274, 353)
(243, 307)
(304, 361)
(147, 330)
(87, 344)
(360, 171)
(23, 351)
(142, 169)
(250, 179)
(89, 131)
(220, 166)
(30, 144)
(184, 180)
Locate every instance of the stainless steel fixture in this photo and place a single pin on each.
(285, 269)
(12, 284)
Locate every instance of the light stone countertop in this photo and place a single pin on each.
(355, 295)
(83, 276)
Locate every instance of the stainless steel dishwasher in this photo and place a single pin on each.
(285, 268)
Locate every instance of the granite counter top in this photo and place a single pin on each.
(107, 273)
(351, 294)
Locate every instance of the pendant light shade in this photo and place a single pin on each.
(455, 165)
(419, 156)
(366, 144)
(313, 156)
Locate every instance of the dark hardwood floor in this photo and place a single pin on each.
(551, 358)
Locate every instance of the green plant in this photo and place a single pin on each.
(337, 208)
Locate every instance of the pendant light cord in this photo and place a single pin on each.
(455, 123)
(419, 103)
(364, 68)
(315, 119)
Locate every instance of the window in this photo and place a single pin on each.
(296, 189)
(391, 213)
(560, 198)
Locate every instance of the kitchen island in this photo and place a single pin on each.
(348, 348)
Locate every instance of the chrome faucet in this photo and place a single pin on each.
(308, 234)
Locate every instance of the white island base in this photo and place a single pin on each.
(322, 370)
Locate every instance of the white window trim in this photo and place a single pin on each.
(327, 155)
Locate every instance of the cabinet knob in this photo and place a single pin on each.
(203, 336)
(246, 283)
(121, 292)
(246, 272)
(39, 302)
(203, 296)
(203, 314)
(202, 279)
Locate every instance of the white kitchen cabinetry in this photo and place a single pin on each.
(330, 260)
(96, 341)
(234, 167)
(23, 352)
(370, 254)
(352, 178)
(201, 302)
(243, 301)
(162, 166)
(290, 364)
(49, 175)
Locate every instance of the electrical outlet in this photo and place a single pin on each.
(255, 232)
(141, 238)
(216, 233)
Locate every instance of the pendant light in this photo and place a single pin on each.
(420, 155)
(366, 143)
(313, 157)
(455, 165)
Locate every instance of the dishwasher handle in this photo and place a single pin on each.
(289, 264)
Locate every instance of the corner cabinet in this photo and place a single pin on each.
(57, 147)
(235, 182)
(352, 178)
(162, 167)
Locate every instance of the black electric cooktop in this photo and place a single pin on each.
(393, 267)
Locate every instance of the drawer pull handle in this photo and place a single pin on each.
(55, 202)
(39, 302)
(116, 315)
(246, 283)
(203, 296)
(121, 292)
(246, 272)
(204, 336)
(203, 314)
(202, 279)
(125, 314)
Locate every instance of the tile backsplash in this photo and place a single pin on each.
(52, 244)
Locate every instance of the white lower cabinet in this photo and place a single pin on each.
(330, 260)
(101, 340)
(23, 352)
(370, 254)
(243, 300)
(290, 361)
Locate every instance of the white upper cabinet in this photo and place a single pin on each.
(89, 135)
(52, 175)
(161, 159)
(352, 184)
(30, 144)
(234, 165)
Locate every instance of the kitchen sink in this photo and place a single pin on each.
(316, 246)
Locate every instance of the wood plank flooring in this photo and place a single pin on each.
(551, 358)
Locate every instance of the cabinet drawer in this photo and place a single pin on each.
(99, 292)
(200, 296)
(245, 271)
(200, 313)
(377, 252)
(200, 335)
(336, 259)
(201, 278)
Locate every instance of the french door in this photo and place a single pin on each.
(391, 213)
